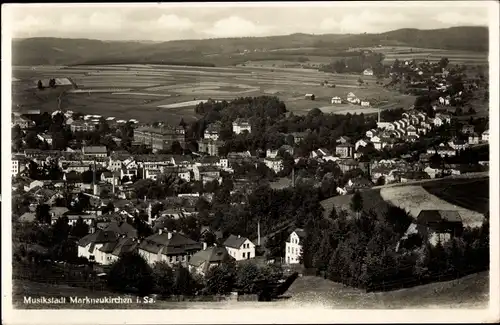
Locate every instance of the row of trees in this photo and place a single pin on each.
(361, 249)
(357, 64)
(132, 273)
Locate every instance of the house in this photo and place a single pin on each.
(432, 172)
(110, 177)
(210, 146)
(435, 226)
(344, 150)
(468, 129)
(171, 247)
(351, 98)
(344, 139)
(347, 164)
(310, 96)
(386, 125)
(377, 142)
(74, 216)
(240, 125)
(275, 164)
(474, 138)
(111, 251)
(365, 103)
(411, 130)
(23, 123)
(361, 143)
(458, 144)
(293, 246)
(95, 151)
(298, 137)
(202, 172)
(88, 246)
(45, 138)
(240, 248)
(320, 153)
(336, 100)
(371, 133)
(19, 164)
(271, 153)
(485, 136)
(442, 150)
(368, 72)
(160, 138)
(357, 184)
(203, 260)
(212, 132)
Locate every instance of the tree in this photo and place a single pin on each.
(184, 283)
(80, 229)
(131, 271)
(40, 85)
(43, 213)
(220, 279)
(164, 278)
(380, 181)
(52, 83)
(356, 202)
(247, 276)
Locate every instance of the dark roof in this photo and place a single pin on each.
(429, 216)
(94, 149)
(122, 228)
(100, 236)
(177, 244)
(300, 232)
(234, 241)
(214, 254)
(125, 245)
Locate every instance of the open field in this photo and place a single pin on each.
(307, 291)
(162, 92)
(407, 53)
(415, 199)
(458, 192)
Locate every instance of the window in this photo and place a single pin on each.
(243, 254)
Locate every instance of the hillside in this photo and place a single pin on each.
(226, 51)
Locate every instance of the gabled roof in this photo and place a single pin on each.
(235, 241)
(177, 244)
(122, 228)
(426, 216)
(94, 149)
(98, 237)
(214, 254)
(300, 232)
(125, 245)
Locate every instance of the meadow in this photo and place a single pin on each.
(171, 92)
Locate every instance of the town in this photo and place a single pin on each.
(340, 169)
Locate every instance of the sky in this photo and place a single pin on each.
(164, 22)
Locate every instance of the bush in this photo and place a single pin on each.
(131, 271)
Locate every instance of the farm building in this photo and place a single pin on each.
(368, 72)
(59, 82)
(365, 103)
(160, 138)
(485, 136)
(240, 125)
(336, 100)
(434, 226)
(310, 96)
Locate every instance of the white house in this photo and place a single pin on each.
(240, 248)
(276, 164)
(293, 246)
(365, 103)
(336, 100)
(377, 142)
(485, 136)
(371, 133)
(89, 245)
(240, 125)
(368, 72)
(360, 143)
(474, 138)
(411, 130)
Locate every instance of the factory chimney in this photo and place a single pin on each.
(94, 182)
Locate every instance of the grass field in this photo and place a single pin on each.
(468, 292)
(154, 92)
(415, 199)
(458, 192)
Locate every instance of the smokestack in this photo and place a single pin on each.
(95, 189)
(113, 184)
(379, 115)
